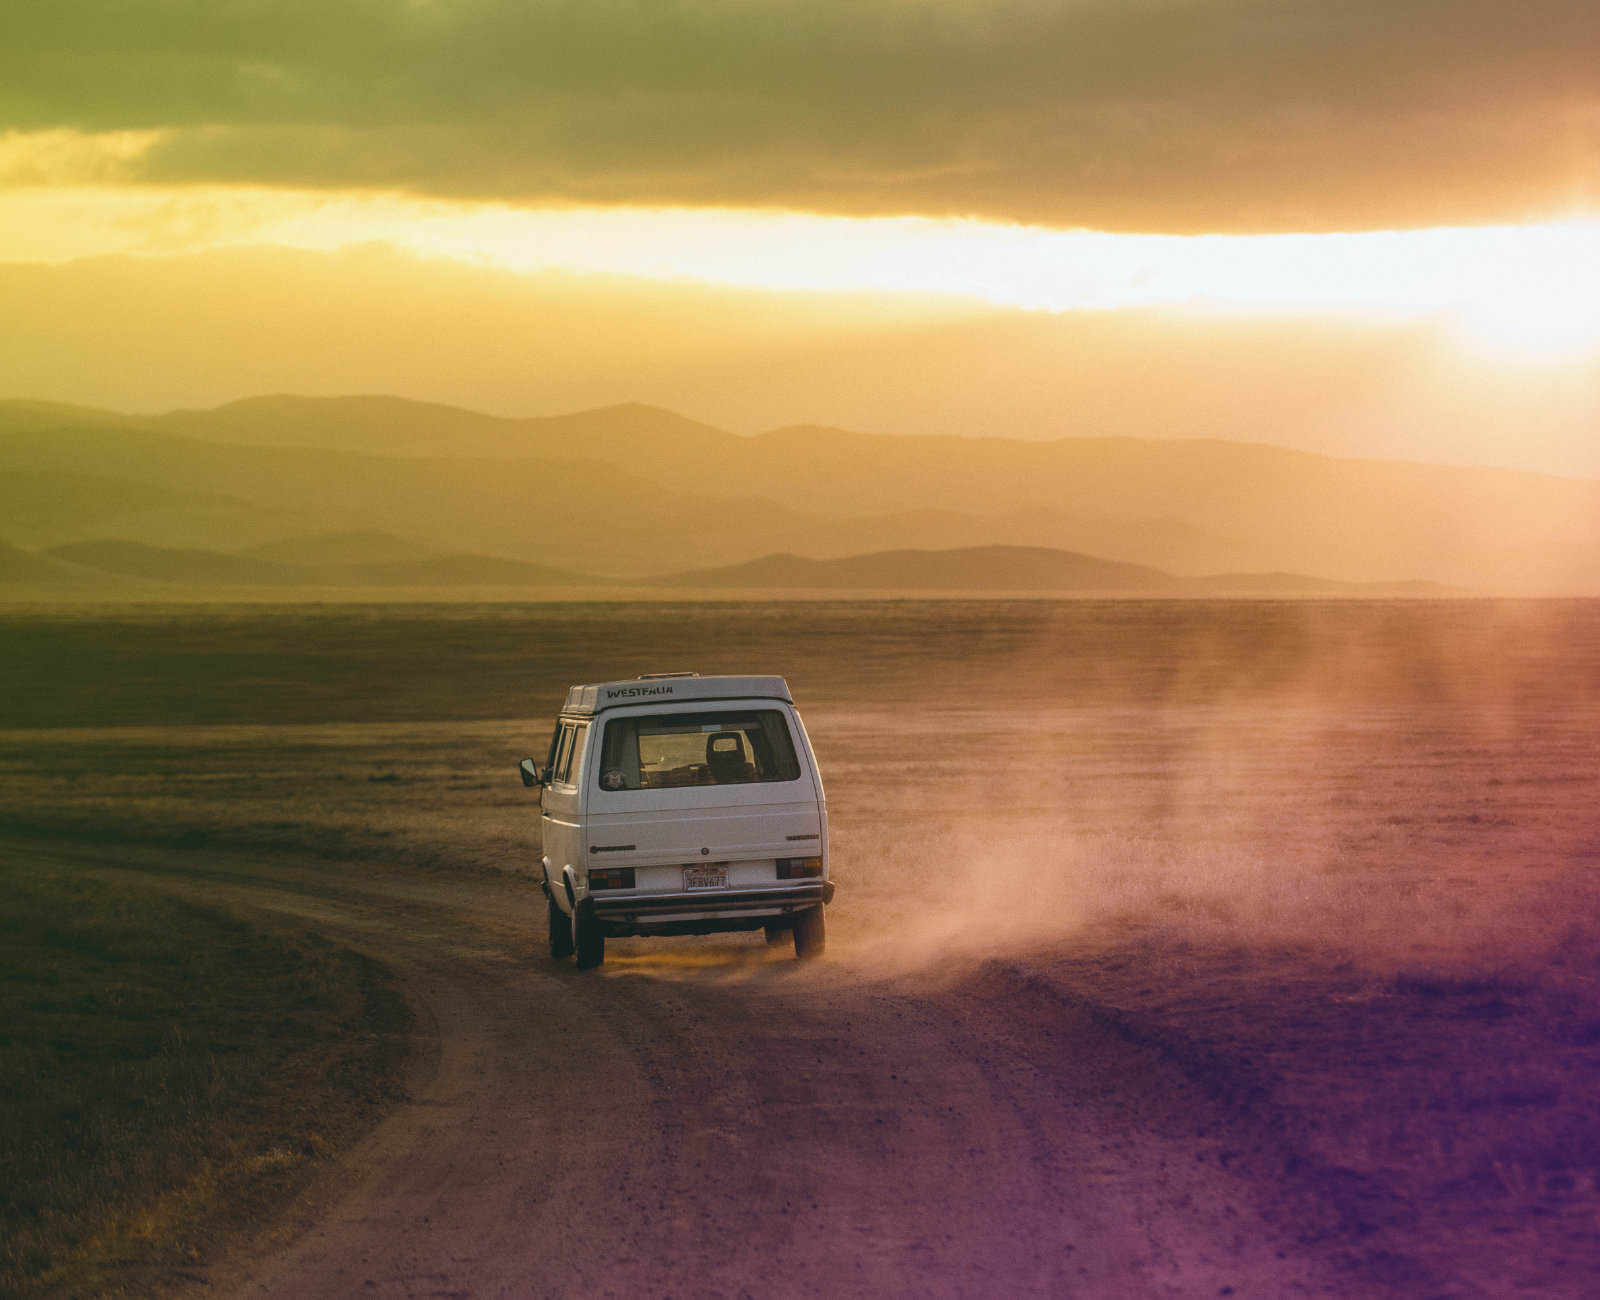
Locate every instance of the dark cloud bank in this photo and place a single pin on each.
(1165, 115)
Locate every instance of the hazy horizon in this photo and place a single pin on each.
(746, 431)
(526, 344)
(1360, 230)
(386, 492)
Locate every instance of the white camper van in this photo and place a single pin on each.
(680, 804)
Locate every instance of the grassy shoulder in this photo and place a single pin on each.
(168, 1073)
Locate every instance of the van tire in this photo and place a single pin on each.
(587, 938)
(810, 934)
(560, 932)
(777, 935)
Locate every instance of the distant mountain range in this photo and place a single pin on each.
(138, 569)
(218, 568)
(1012, 568)
(381, 492)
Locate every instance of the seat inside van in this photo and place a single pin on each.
(725, 758)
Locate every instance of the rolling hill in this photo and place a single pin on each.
(169, 564)
(989, 568)
(148, 570)
(1189, 505)
(26, 569)
(629, 491)
(1012, 569)
(188, 566)
(52, 507)
(368, 546)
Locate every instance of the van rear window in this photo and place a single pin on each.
(676, 749)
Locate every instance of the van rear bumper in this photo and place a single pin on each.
(706, 912)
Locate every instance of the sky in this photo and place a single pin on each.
(957, 216)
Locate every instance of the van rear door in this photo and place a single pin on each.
(730, 781)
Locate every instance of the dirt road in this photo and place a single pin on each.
(708, 1118)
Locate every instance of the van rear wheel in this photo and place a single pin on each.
(810, 934)
(587, 938)
(777, 935)
(560, 931)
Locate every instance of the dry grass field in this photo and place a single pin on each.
(1335, 859)
(168, 1073)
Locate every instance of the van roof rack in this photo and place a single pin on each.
(672, 688)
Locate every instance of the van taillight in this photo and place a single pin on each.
(610, 877)
(798, 868)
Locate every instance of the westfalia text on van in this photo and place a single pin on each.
(680, 804)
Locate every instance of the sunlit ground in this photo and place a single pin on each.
(1334, 860)
(1411, 782)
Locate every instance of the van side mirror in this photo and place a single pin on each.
(531, 775)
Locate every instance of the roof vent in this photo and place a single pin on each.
(656, 677)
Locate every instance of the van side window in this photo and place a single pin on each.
(560, 751)
(676, 749)
(572, 756)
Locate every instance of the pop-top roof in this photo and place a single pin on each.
(673, 688)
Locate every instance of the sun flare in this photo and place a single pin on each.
(1527, 292)
(1543, 306)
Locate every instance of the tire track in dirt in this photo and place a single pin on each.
(712, 1120)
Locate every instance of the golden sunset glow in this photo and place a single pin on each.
(1543, 307)
(1163, 221)
(1533, 291)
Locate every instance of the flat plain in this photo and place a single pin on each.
(1311, 882)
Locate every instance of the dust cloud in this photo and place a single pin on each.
(1406, 785)
(1410, 783)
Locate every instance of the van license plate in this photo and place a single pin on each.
(705, 878)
